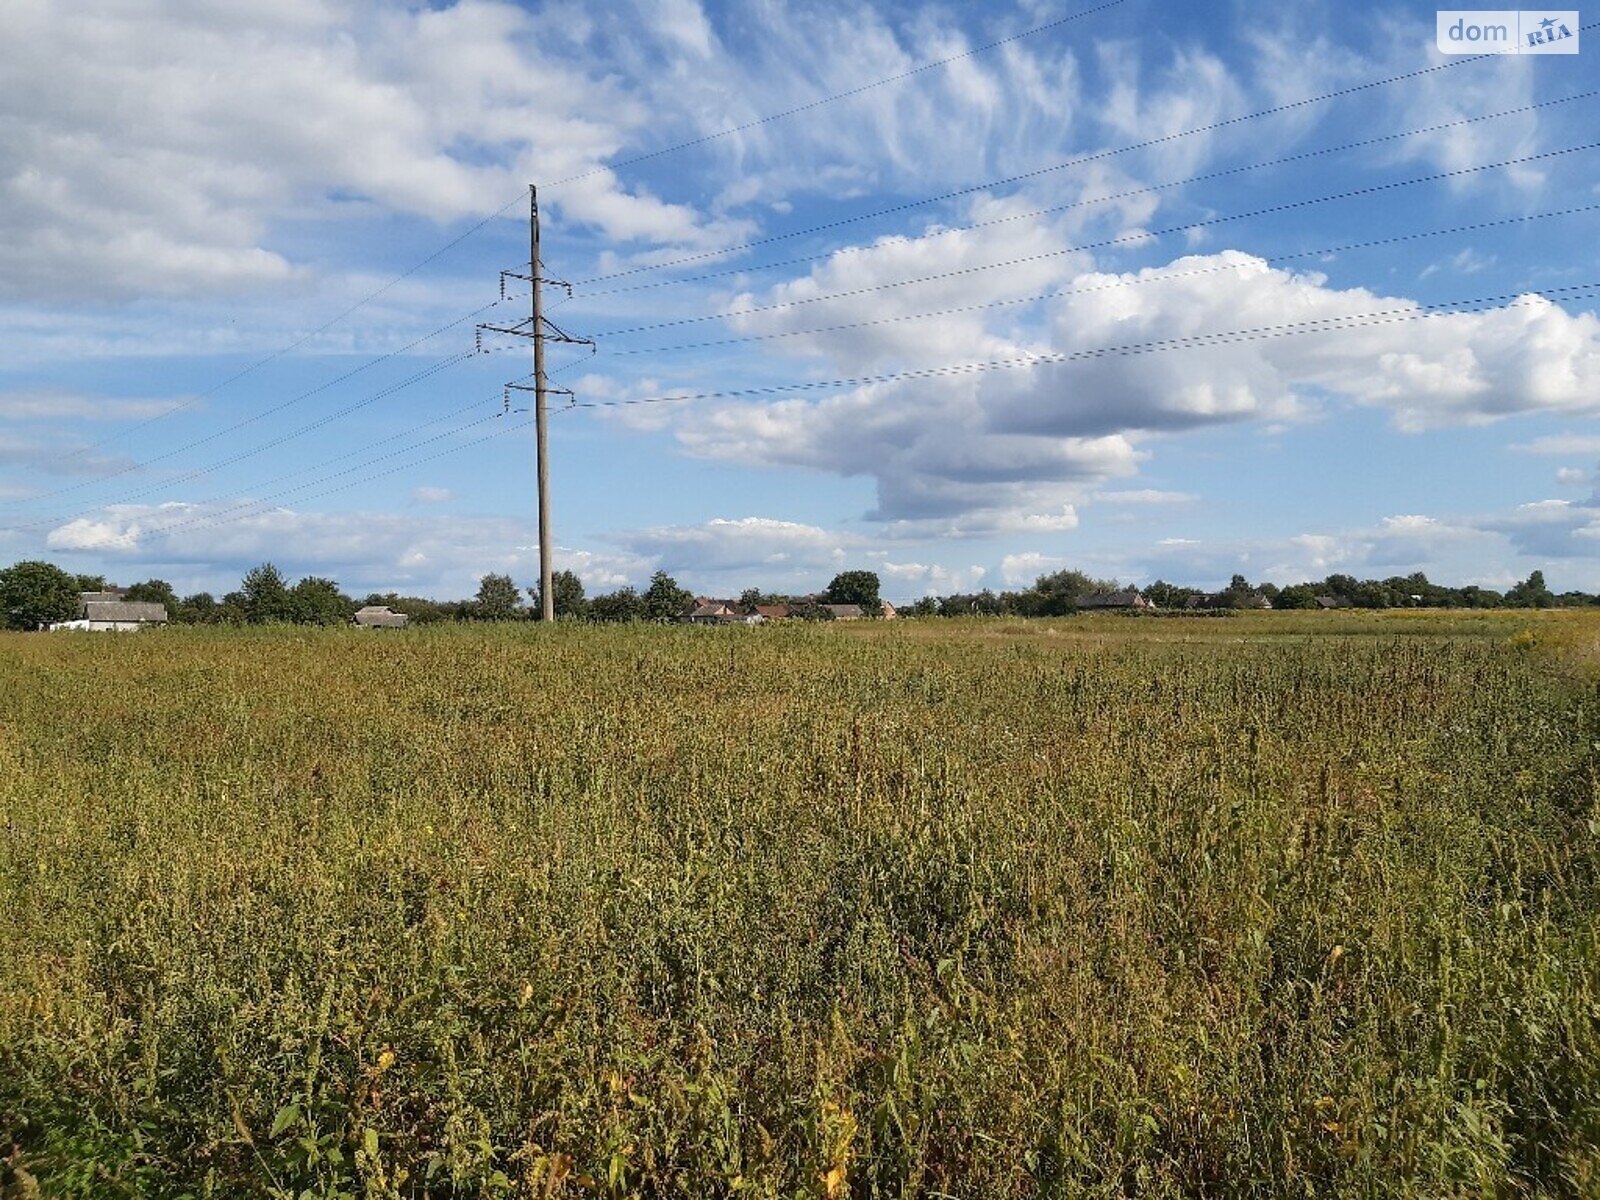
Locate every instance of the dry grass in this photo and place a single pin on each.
(1282, 905)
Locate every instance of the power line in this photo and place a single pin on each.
(300, 341)
(1332, 324)
(1192, 341)
(1078, 160)
(1137, 238)
(1121, 283)
(282, 439)
(266, 501)
(303, 396)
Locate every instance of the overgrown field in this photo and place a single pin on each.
(1276, 905)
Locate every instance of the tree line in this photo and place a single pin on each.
(1059, 593)
(35, 594)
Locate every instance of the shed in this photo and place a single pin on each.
(1127, 599)
(843, 612)
(116, 616)
(380, 616)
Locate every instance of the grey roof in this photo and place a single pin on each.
(1127, 599)
(381, 615)
(843, 612)
(107, 594)
(142, 612)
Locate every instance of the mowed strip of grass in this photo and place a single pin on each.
(1281, 904)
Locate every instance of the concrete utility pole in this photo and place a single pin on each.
(539, 329)
(541, 415)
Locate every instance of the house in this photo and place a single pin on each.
(773, 612)
(1227, 600)
(1331, 602)
(709, 611)
(114, 616)
(843, 612)
(380, 616)
(889, 611)
(1129, 599)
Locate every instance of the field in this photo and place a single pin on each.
(1279, 905)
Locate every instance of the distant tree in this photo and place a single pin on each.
(856, 587)
(1530, 593)
(566, 591)
(264, 595)
(317, 601)
(198, 609)
(664, 600)
(1299, 595)
(751, 597)
(498, 599)
(970, 604)
(90, 583)
(155, 591)
(234, 609)
(35, 594)
(624, 604)
(808, 608)
(925, 606)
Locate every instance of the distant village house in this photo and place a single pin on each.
(107, 612)
(380, 616)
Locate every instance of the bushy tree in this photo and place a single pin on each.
(317, 601)
(566, 592)
(199, 609)
(624, 604)
(264, 595)
(498, 599)
(155, 591)
(856, 587)
(664, 600)
(1530, 593)
(35, 594)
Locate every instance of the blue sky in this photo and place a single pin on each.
(199, 202)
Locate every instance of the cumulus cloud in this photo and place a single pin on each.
(150, 150)
(736, 544)
(211, 545)
(1127, 357)
(431, 495)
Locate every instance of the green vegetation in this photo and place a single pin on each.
(1282, 904)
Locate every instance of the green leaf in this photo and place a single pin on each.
(287, 1116)
(369, 1142)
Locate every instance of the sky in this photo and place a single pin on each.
(1153, 290)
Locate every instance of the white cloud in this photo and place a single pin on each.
(150, 149)
(1562, 444)
(1008, 445)
(927, 579)
(1145, 496)
(209, 545)
(56, 405)
(431, 495)
(739, 544)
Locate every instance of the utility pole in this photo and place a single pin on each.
(541, 415)
(538, 329)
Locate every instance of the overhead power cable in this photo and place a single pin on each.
(1408, 312)
(261, 448)
(1075, 161)
(1119, 283)
(277, 408)
(1136, 238)
(1331, 324)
